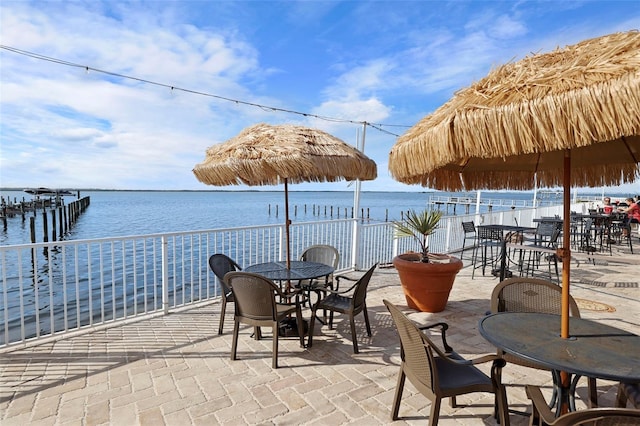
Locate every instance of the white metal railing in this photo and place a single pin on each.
(51, 288)
(48, 289)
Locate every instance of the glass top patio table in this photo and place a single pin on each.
(503, 269)
(300, 270)
(594, 349)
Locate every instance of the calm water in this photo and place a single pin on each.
(123, 213)
(47, 295)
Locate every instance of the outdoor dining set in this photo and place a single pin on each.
(268, 294)
(271, 294)
(560, 119)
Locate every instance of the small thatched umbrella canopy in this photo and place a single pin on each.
(269, 155)
(569, 117)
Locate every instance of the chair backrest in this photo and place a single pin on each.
(591, 416)
(220, 264)
(321, 253)
(545, 229)
(255, 295)
(489, 233)
(600, 417)
(415, 349)
(468, 227)
(547, 233)
(523, 294)
(587, 224)
(360, 288)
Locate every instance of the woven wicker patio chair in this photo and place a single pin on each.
(628, 392)
(320, 253)
(220, 264)
(255, 304)
(438, 373)
(542, 414)
(350, 302)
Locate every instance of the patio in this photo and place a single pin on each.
(175, 369)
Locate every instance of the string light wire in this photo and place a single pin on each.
(173, 87)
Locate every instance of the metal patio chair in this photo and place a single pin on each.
(469, 229)
(488, 247)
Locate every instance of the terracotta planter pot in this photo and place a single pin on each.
(426, 285)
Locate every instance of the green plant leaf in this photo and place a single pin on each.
(419, 225)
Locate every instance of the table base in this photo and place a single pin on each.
(289, 327)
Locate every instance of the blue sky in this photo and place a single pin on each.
(384, 62)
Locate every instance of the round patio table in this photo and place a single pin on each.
(594, 349)
(300, 270)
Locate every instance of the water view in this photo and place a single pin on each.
(122, 213)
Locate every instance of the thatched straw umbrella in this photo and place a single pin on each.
(269, 155)
(570, 117)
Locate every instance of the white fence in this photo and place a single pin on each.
(49, 289)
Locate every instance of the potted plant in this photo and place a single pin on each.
(426, 278)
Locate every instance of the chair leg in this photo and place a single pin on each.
(234, 341)
(435, 411)
(474, 259)
(352, 320)
(312, 323)
(593, 392)
(320, 294)
(366, 320)
(502, 405)
(223, 310)
(484, 259)
(398, 395)
(274, 359)
(462, 252)
(299, 320)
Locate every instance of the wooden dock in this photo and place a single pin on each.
(53, 210)
(469, 203)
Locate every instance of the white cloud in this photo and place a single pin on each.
(381, 62)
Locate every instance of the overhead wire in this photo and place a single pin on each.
(172, 87)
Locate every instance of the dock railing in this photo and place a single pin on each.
(50, 289)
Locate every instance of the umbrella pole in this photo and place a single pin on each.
(565, 379)
(566, 242)
(287, 223)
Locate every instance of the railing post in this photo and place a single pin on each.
(395, 248)
(165, 275)
(447, 247)
(281, 253)
(355, 244)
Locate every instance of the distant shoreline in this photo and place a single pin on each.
(220, 190)
(431, 191)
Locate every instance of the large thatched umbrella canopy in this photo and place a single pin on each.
(585, 97)
(570, 117)
(269, 155)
